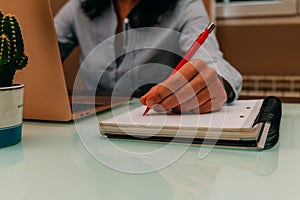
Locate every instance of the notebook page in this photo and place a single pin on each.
(240, 115)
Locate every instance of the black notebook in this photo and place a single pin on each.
(244, 124)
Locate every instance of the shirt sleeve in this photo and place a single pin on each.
(194, 21)
(64, 24)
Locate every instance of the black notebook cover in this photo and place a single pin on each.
(270, 112)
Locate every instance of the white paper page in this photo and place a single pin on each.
(241, 114)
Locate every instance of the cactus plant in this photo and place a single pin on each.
(12, 56)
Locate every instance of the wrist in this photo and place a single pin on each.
(229, 91)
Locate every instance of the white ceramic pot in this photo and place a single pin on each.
(11, 112)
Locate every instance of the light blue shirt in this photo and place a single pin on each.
(143, 63)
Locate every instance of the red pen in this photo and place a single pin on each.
(191, 52)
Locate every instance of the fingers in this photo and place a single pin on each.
(195, 88)
(145, 97)
(207, 100)
(161, 91)
(195, 92)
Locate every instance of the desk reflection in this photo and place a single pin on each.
(188, 177)
(12, 171)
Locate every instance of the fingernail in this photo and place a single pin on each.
(150, 102)
(142, 100)
(158, 108)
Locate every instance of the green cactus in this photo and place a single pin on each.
(12, 56)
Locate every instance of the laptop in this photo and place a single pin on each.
(46, 94)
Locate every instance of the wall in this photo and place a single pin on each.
(262, 46)
(266, 50)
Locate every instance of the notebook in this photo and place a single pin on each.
(46, 95)
(244, 124)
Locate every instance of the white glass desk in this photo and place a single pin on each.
(51, 163)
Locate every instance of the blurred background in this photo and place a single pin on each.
(261, 38)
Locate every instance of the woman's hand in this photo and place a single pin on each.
(195, 88)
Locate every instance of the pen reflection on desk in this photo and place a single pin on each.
(191, 52)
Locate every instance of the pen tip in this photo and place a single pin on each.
(146, 111)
